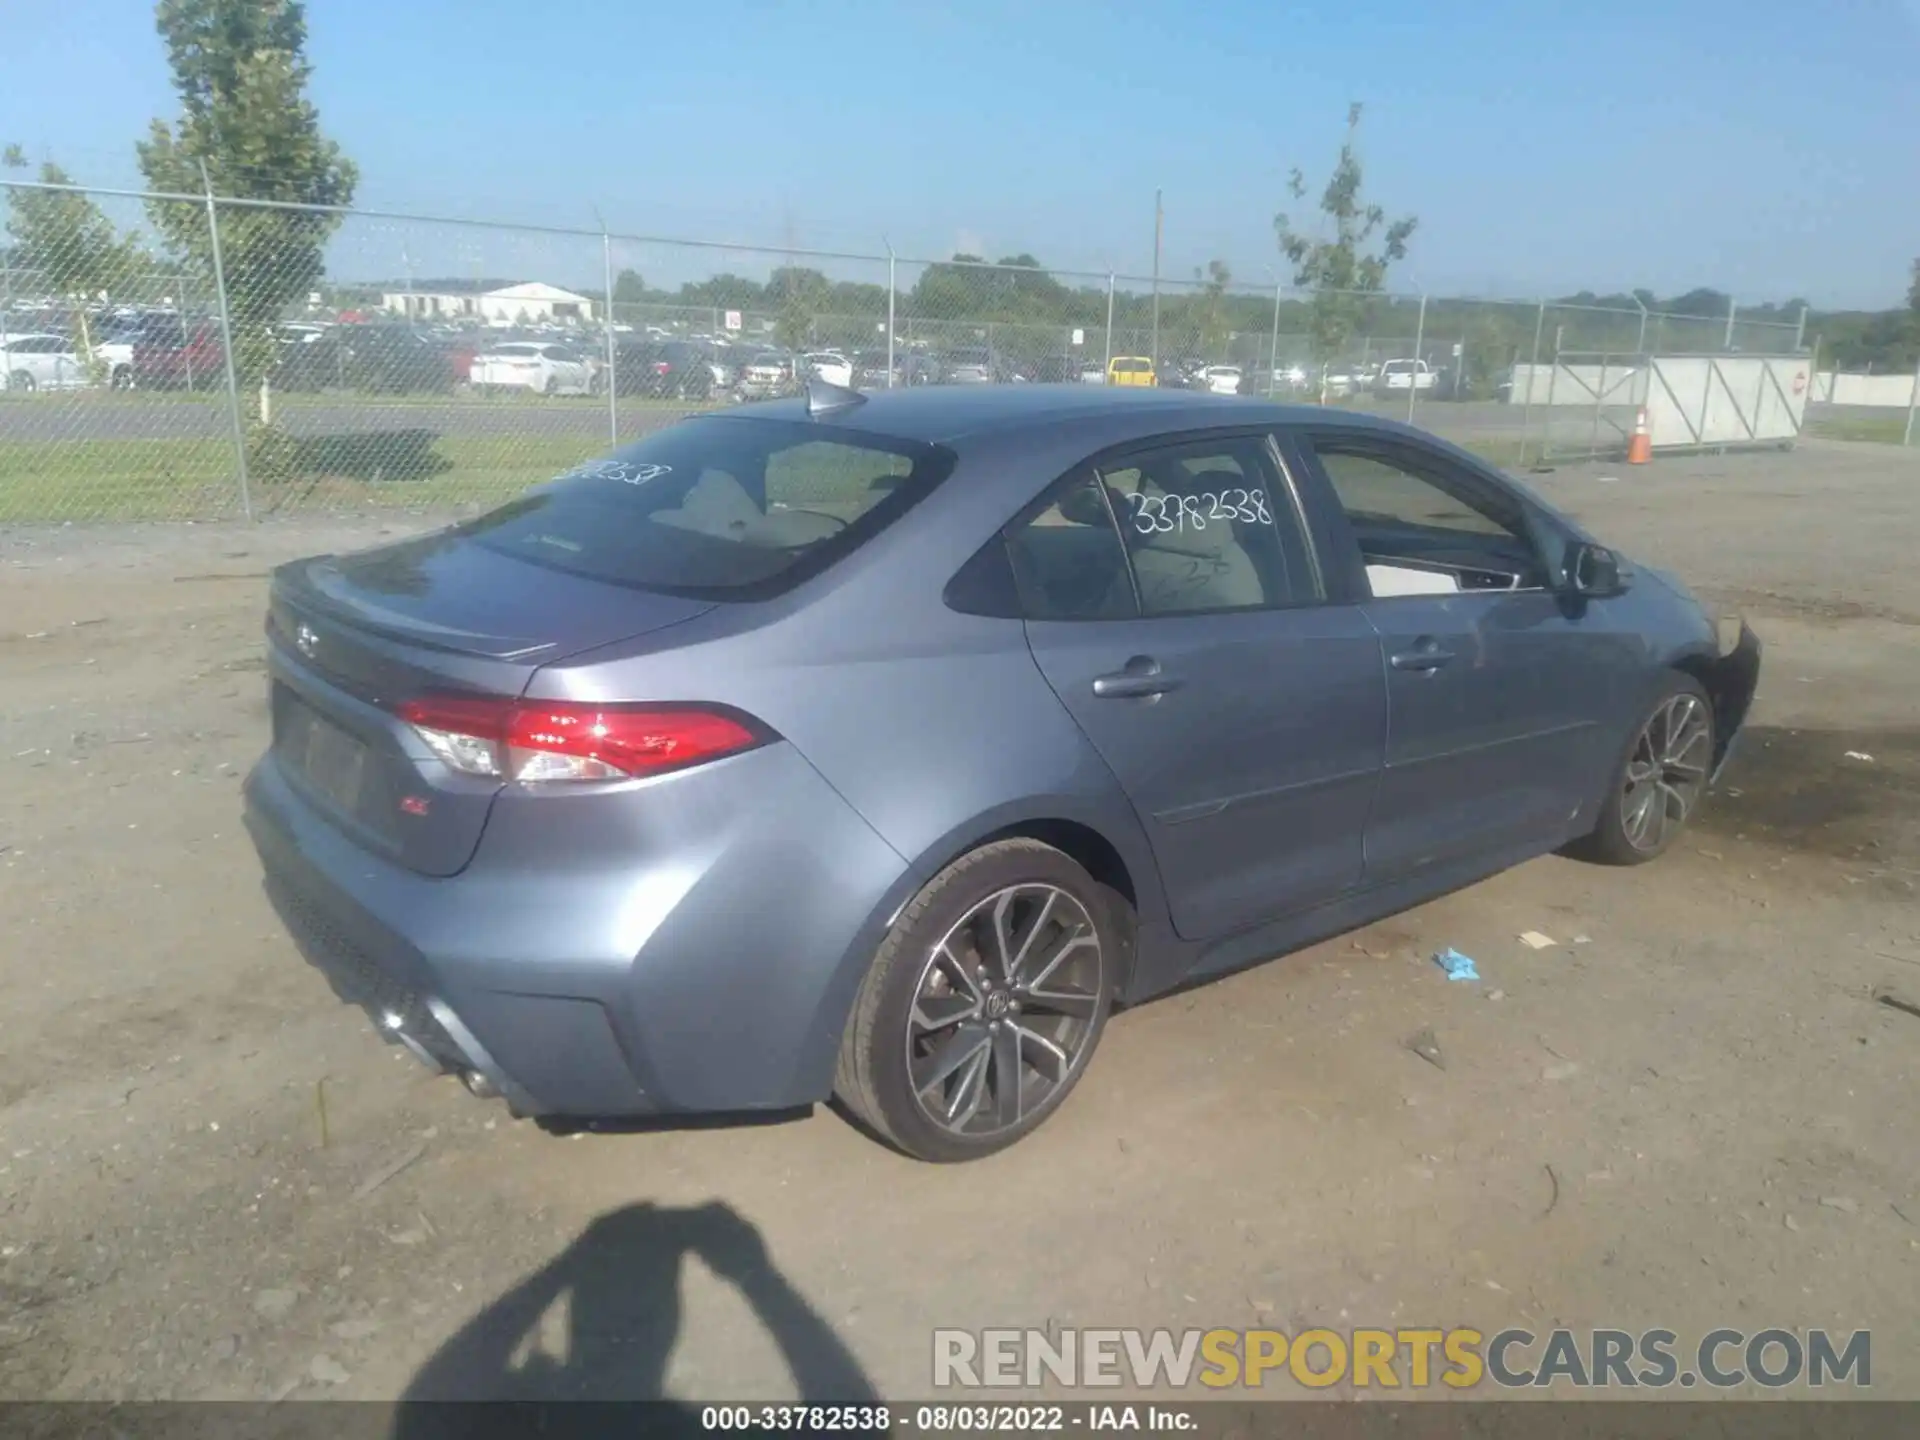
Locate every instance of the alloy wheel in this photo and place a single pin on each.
(1003, 1010)
(1666, 772)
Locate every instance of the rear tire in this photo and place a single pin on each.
(1659, 780)
(20, 380)
(984, 1004)
(122, 377)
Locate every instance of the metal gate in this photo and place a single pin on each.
(1584, 405)
(1699, 402)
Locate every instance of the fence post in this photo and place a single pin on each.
(892, 290)
(1419, 359)
(1533, 367)
(1106, 365)
(1800, 330)
(1273, 349)
(226, 346)
(613, 372)
(1733, 309)
(1913, 404)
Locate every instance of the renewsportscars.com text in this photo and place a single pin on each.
(1401, 1358)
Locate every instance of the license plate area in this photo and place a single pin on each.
(329, 761)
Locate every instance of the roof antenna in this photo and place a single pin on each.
(824, 398)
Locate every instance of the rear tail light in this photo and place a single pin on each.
(661, 367)
(538, 741)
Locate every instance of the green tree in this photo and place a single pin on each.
(247, 129)
(62, 236)
(1212, 323)
(1338, 267)
(796, 294)
(629, 288)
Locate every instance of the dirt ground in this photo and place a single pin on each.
(1699, 1116)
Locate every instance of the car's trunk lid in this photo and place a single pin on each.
(355, 637)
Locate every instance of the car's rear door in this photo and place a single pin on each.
(1501, 693)
(1175, 607)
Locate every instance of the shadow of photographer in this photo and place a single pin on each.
(621, 1283)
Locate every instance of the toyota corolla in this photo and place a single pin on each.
(880, 746)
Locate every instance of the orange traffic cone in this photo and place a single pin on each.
(1640, 447)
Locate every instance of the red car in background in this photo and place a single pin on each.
(169, 353)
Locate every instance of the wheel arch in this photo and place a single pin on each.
(1111, 848)
(1730, 679)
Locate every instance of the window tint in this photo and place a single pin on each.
(1376, 487)
(1068, 563)
(1204, 528)
(1425, 526)
(716, 507)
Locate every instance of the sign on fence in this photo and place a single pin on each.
(732, 320)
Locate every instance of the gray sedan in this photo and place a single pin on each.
(879, 746)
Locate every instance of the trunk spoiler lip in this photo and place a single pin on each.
(294, 584)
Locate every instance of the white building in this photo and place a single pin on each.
(533, 303)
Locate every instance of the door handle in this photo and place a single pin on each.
(1428, 657)
(1140, 680)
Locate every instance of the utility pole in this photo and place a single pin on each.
(1159, 216)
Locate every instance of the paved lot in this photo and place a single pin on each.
(1698, 1117)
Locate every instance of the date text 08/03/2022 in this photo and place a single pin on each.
(989, 1419)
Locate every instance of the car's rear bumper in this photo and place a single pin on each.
(678, 948)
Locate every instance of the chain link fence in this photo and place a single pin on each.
(190, 357)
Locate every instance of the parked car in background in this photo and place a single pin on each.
(831, 366)
(972, 365)
(541, 368)
(41, 362)
(1289, 379)
(871, 371)
(171, 353)
(1053, 370)
(767, 373)
(1092, 372)
(663, 370)
(376, 359)
(1220, 379)
(1397, 377)
(481, 817)
(720, 363)
(113, 358)
(1131, 370)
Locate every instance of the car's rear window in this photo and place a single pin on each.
(718, 507)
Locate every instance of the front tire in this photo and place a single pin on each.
(984, 1004)
(1659, 781)
(20, 380)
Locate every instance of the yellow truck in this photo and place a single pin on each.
(1131, 370)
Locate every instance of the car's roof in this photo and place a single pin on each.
(941, 414)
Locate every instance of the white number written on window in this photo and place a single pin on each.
(1159, 514)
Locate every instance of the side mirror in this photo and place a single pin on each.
(1593, 571)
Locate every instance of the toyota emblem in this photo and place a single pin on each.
(305, 640)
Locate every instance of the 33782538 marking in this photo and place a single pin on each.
(1163, 514)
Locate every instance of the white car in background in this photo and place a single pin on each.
(538, 367)
(1400, 376)
(831, 366)
(40, 362)
(1221, 379)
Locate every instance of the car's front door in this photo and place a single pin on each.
(1500, 694)
(1173, 605)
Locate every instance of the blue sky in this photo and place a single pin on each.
(1767, 147)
